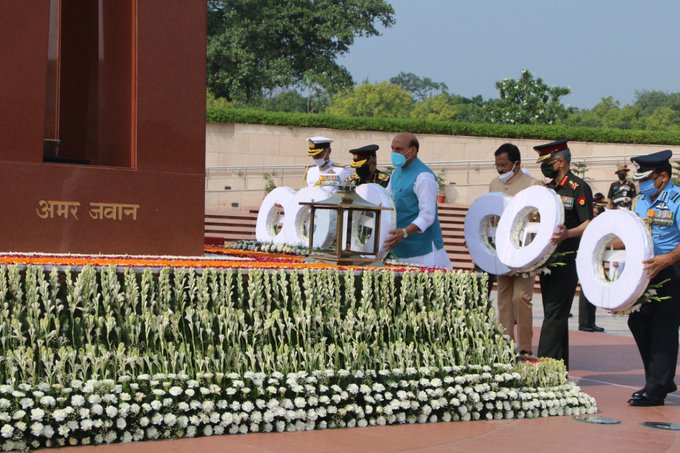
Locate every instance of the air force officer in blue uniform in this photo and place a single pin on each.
(655, 325)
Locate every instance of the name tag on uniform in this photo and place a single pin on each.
(567, 202)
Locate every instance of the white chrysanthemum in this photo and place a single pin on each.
(37, 414)
(175, 391)
(77, 400)
(7, 431)
(36, 428)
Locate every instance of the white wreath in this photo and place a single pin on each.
(479, 230)
(631, 281)
(514, 224)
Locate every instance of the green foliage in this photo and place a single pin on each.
(255, 46)
(448, 107)
(527, 101)
(544, 372)
(441, 183)
(419, 87)
(269, 183)
(579, 168)
(99, 324)
(383, 99)
(539, 132)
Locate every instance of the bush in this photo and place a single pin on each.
(217, 113)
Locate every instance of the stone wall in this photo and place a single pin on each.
(465, 162)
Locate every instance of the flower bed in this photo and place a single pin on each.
(97, 355)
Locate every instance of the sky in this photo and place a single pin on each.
(598, 48)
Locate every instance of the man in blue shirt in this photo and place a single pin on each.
(655, 325)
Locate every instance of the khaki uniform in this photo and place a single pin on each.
(515, 293)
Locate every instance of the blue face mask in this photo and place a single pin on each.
(398, 160)
(648, 188)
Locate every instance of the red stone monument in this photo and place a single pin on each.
(102, 126)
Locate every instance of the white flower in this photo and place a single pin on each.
(175, 391)
(37, 414)
(77, 400)
(36, 428)
(7, 431)
(170, 419)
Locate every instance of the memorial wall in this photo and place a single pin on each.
(102, 126)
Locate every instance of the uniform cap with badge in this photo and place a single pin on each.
(621, 168)
(318, 144)
(362, 155)
(648, 163)
(546, 151)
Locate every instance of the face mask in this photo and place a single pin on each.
(548, 170)
(320, 162)
(398, 160)
(648, 188)
(505, 177)
(622, 176)
(363, 172)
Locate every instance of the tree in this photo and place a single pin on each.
(419, 87)
(382, 99)
(527, 101)
(256, 46)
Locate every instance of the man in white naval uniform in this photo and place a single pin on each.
(324, 173)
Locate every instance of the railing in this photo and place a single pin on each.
(251, 176)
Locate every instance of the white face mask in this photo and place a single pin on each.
(320, 162)
(505, 177)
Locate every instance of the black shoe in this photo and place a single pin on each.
(637, 394)
(646, 401)
(590, 328)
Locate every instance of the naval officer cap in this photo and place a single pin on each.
(547, 150)
(647, 164)
(363, 154)
(318, 144)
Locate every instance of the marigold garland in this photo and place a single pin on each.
(222, 258)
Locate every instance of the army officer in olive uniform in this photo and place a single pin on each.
(365, 164)
(558, 286)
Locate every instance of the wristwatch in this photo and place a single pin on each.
(403, 230)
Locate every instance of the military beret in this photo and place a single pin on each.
(647, 163)
(361, 155)
(318, 144)
(545, 151)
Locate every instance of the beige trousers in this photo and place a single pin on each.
(515, 307)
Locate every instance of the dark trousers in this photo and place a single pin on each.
(557, 289)
(655, 330)
(586, 311)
